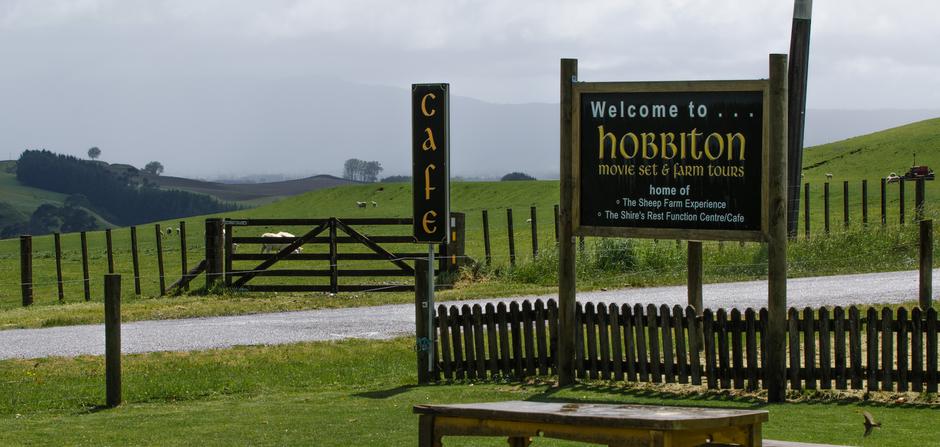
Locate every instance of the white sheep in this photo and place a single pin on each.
(829, 176)
(269, 247)
(360, 204)
(374, 204)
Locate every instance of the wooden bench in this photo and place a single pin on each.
(611, 425)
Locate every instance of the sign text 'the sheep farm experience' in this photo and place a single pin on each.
(430, 160)
(671, 160)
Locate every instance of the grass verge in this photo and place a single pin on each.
(345, 393)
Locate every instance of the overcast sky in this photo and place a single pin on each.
(864, 55)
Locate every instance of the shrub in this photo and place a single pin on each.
(614, 254)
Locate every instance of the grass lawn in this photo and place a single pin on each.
(339, 394)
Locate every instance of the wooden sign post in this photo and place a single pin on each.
(702, 160)
(430, 152)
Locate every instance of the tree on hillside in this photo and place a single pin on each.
(397, 179)
(517, 176)
(361, 170)
(94, 153)
(154, 167)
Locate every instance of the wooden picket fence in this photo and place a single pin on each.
(886, 349)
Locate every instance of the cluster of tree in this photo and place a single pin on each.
(46, 219)
(12, 221)
(116, 198)
(517, 176)
(67, 219)
(397, 179)
(361, 170)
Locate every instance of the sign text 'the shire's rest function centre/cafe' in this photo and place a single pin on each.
(668, 159)
(430, 158)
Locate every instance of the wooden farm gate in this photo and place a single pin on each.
(321, 240)
(874, 349)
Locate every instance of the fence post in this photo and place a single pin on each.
(26, 269)
(806, 209)
(334, 259)
(424, 335)
(58, 266)
(694, 269)
(826, 205)
(777, 230)
(919, 199)
(86, 280)
(135, 260)
(183, 266)
(845, 203)
(535, 232)
(457, 241)
(213, 252)
(901, 201)
(486, 237)
(112, 339)
(865, 202)
(884, 203)
(110, 249)
(556, 223)
(229, 251)
(512, 241)
(160, 259)
(926, 264)
(567, 305)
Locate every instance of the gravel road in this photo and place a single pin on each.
(395, 320)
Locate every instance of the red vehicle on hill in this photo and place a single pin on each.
(919, 172)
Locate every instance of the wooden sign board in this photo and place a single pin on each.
(430, 159)
(671, 160)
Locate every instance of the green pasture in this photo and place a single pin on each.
(354, 393)
(603, 263)
(870, 157)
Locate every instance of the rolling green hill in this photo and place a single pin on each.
(870, 156)
(875, 155)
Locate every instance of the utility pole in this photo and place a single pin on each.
(796, 80)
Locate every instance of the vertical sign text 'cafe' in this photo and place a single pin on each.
(430, 153)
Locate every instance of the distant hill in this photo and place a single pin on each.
(18, 202)
(241, 192)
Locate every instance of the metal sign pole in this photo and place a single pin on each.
(431, 307)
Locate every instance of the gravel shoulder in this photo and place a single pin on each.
(382, 322)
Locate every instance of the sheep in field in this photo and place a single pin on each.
(361, 204)
(269, 247)
(234, 244)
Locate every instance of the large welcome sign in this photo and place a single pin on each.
(671, 160)
(430, 154)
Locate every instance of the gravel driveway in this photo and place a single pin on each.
(395, 320)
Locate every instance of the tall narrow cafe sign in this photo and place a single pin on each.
(430, 155)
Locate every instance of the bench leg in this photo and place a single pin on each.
(516, 441)
(754, 436)
(426, 435)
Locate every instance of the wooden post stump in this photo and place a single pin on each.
(112, 339)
